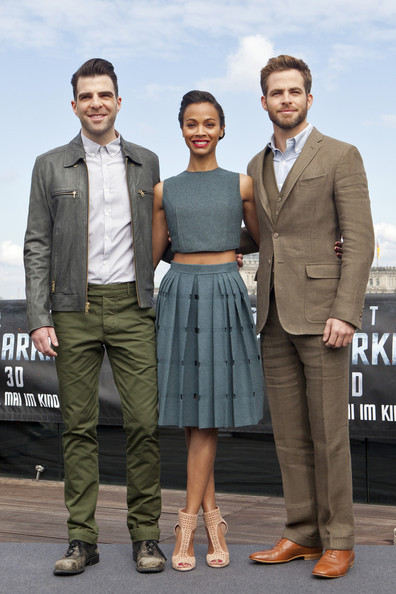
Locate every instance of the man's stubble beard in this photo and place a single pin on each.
(291, 123)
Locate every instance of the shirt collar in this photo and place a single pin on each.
(296, 143)
(92, 148)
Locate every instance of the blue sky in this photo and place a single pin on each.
(161, 50)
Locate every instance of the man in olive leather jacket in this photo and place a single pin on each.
(89, 285)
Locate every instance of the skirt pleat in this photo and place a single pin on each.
(209, 368)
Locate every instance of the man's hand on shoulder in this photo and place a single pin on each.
(43, 338)
(338, 333)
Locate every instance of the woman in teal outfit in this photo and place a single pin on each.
(209, 369)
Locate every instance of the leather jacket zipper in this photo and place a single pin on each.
(87, 304)
(61, 193)
(133, 234)
(70, 193)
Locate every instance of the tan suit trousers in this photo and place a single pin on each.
(308, 387)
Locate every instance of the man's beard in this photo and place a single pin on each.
(289, 123)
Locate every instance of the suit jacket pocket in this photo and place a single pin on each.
(318, 180)
(320, 290)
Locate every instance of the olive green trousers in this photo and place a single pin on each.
(115, 323)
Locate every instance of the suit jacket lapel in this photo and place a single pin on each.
(308, 152)
(259, 188)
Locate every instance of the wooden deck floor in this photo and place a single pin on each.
(34, 511)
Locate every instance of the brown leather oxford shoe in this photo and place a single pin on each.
(286, 550)
(334, 563)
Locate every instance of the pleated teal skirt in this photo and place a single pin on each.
(209, 368)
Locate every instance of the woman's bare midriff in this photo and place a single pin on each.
(205, 257)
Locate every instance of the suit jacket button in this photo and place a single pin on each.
(276, 235)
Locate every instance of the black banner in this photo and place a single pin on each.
(29, 387)
(372, 397)
(28, 382)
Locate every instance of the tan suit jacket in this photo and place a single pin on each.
(325, 196)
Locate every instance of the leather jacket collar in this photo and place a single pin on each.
(75, 151)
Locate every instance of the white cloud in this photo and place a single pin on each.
(243, 66)
(343, 58)
(9, 176)
(153, 26)
(11, 253)
(344, 54)
(389, 120)
(385, 236)
(91, 26)
(12, 283)
(155, 90)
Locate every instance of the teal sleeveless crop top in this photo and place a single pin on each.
(203, 210)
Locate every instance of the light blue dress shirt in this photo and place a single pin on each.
(283, 162)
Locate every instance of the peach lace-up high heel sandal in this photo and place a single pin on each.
(213, 523)
(187, 525)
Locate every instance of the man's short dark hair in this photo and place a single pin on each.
(95, 67)
(284, 62)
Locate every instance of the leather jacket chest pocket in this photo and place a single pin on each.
(63, 201)
(65, 193)
(144, 206)
(144, 197)
(66, 219)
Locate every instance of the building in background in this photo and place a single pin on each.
(248, 272)
(382, 279)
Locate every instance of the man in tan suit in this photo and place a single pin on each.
(310, 190)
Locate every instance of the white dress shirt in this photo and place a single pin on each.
(110, 251)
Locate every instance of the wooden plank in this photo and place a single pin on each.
(34, 511)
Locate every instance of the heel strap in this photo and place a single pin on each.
(186, 522)
(213, 518)
(219, 557)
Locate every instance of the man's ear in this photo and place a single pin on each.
(264, 103)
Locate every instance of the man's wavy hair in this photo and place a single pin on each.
(284, 62)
